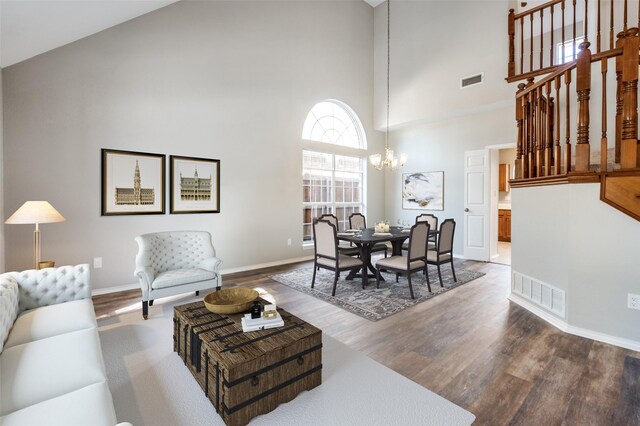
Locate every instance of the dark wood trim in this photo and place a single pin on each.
(572, 177)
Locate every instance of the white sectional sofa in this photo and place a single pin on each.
(51, 366)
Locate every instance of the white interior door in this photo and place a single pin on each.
(476, 205)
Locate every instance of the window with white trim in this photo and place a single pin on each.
(567, 55)
(331, 181)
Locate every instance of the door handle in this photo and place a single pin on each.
(466, 210)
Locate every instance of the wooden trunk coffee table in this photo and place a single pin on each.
(247, 374)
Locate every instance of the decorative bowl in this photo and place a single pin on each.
(230, 300)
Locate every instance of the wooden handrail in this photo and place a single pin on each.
(560, 70)
(538, 8)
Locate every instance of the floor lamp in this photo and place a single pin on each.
(35, 212)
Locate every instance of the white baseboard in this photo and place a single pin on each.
(577, 331)
(107, 290)
(115, 289)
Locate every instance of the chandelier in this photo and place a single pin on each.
(389, 159)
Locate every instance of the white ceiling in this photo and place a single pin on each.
(31, 27)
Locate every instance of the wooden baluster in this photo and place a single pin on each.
(531, 42)
(619, 66)
(629, 155)
(557, 156)
(586, 20)
(527, 139)
(598, 30)
(567, 144)
(574, 30)
(583, 89)
(551, 31)
(520, 110)
(611, 26)
(532, 128)
(563, 36)
(539, 133)
(548, 148)
(511, 70)
(541, 38)
(603, 141)
(624, 24)
(521, 45)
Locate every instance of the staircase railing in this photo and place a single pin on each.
(544, 112)
(545, 37)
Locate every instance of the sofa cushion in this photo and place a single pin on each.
(9, 297)
(48, 368)
(90, 405)
(52, 320)
(181, 276)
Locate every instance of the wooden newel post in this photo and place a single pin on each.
(629, 156)
(583, 89)
(519, 120)
(512, 39)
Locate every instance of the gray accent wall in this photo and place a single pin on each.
(226, 80)
(2, 180)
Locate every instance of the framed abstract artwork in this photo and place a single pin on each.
(194, 185)
(423, 191)
(132, 183)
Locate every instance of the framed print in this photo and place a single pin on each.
(132, 182)
(194, 185)
(423, 191)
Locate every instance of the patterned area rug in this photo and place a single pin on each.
(372, 303)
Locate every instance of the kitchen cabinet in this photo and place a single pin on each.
(504, 225)
(503, 177)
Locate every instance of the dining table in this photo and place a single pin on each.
(366, 238)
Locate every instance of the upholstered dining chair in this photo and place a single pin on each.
(358, 221)
(443, 252)
(432, 220)
(327, 256)
(414, 261)
(175, 262)
(343, 247)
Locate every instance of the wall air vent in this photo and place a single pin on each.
(470, 81)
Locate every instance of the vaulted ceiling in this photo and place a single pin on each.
(31, 27)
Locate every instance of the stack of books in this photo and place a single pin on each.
(262, 323)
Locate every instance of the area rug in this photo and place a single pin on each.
(372, 303)
(151, 386)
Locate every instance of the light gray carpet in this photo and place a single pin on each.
(373, 303)
(151, 386)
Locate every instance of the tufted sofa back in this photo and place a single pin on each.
(171, 250)
(50, 286)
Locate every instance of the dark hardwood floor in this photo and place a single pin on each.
(475, 348)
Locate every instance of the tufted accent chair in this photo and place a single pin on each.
(175, 262)
(51, 286)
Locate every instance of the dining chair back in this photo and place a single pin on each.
(418, 242)
(433, 223)
(357, 221)
(345, 248)
(331, 218)
(443, 252)
(324, 237)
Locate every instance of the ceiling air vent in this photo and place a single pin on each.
(470, 81)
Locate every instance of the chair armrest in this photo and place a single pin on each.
(145, 275)
(211, 264)
(124, 424)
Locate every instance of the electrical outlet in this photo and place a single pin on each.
(634, 301)
(97, 262)
(289, 242)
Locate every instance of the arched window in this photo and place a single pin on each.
(334, 122)
(332, 182)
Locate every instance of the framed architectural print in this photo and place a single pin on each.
(194, 185)
(132, 183)
(423, 191)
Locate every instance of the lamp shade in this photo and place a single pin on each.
(35, 212)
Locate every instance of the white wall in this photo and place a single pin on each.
(1, 180)
(226, 80)
(566, 237)
(433, 45)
